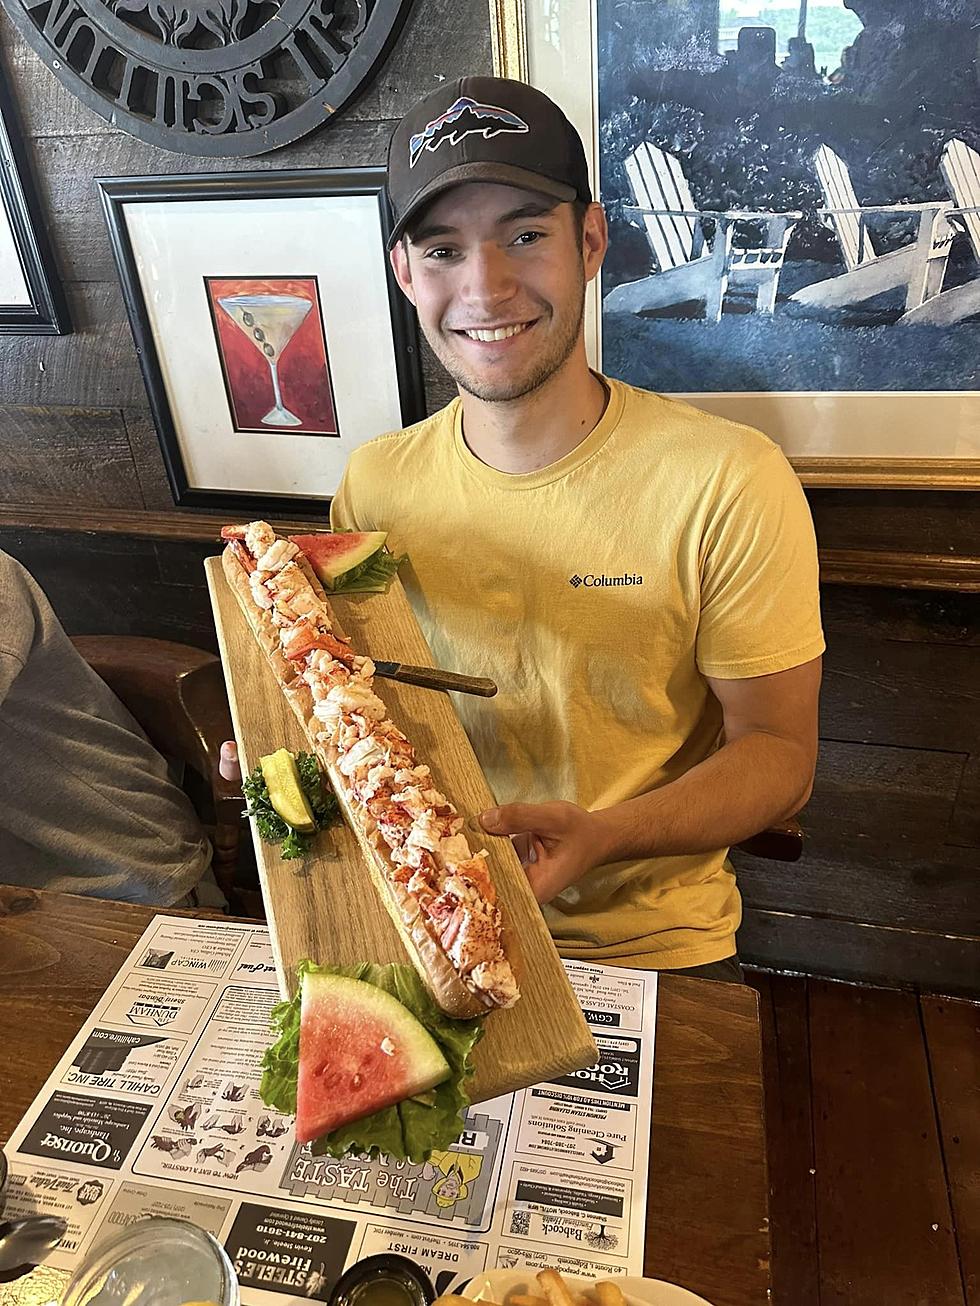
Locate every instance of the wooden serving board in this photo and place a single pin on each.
(326, 907)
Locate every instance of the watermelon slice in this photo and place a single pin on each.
(340, 557)
(359, 1050)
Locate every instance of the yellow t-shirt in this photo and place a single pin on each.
(598, 592)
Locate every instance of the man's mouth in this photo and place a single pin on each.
(489, 334)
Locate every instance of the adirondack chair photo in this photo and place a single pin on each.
(918, 268)
(960, 167)
(687, 268)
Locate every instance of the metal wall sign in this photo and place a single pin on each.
(212, 77)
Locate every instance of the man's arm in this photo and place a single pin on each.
(762, 773)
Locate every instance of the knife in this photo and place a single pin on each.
(435, 678)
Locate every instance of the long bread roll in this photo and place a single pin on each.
(437, 892)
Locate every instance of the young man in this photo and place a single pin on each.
(640, 579)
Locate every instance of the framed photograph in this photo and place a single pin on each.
(272, 336)
(32, 301)
(793, 193)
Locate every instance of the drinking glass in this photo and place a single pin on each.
(155, 1262)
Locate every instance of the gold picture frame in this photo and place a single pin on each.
(552, 44)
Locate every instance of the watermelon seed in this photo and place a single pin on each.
(387, 1047)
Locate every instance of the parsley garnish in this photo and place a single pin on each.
(270, 825)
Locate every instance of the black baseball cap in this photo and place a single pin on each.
(483, 129)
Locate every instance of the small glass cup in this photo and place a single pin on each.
(155, 1262)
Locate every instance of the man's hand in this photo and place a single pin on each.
(556, 842)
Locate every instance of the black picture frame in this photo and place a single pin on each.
(47, 313)
(118, 193)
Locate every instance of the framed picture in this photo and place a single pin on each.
(272, 336)
(793, 193)
(32, 301)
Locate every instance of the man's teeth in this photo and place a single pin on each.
(501, 333)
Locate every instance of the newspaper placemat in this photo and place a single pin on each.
(154, 1110)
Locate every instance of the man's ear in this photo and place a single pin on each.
(595, 239)
(403, 273)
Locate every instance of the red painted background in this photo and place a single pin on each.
(304, 375)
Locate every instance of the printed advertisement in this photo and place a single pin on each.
(215, 1129)
(86, 1130)
(145, 1001)
(154, 1110)
(117, 1061)
(78, 1199)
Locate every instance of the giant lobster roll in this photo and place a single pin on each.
(437, 891)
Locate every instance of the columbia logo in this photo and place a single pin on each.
(592, 581)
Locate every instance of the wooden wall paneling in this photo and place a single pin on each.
(952, 1034)
(901, 693)
(964, 829)
(852, 950)
(144, 445)
(878, 1200)
(439, 41)
(924, 617)
(877, 845)
(887, 887)
(112, 585)
(68, 165)
(913, 571)
(78, 456)
(43, 103)
(907, 521)
(94, 367)
(200, 527)
(933, 892)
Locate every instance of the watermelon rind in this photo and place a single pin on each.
(339, 557)
(409, 1131)
(360, 1050)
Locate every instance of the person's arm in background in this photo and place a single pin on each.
(758, 648)
(18, 625)
(762, 773)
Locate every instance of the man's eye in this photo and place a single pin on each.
(528, 237)
(439, 253)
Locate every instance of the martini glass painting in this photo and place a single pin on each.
(272, 349)
(270, 322)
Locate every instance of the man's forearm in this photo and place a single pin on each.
(738, 791)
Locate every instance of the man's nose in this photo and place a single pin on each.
(490, 278)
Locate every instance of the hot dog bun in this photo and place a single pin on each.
(453, 988)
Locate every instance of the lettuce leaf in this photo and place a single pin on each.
(270, 825)
(411, 1130)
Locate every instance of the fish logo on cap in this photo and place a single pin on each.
(464, 118)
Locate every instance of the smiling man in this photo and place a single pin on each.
(639, 578)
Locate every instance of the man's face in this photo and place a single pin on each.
(498, 277)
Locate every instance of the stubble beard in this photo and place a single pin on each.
(507, 389)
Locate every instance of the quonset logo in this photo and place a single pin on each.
(591, 581)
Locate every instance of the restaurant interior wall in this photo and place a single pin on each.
(888, 889)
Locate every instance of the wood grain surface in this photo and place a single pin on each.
(707, 1208)
(866, 1258)
(326, 906)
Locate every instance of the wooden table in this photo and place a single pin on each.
(707, 1218)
